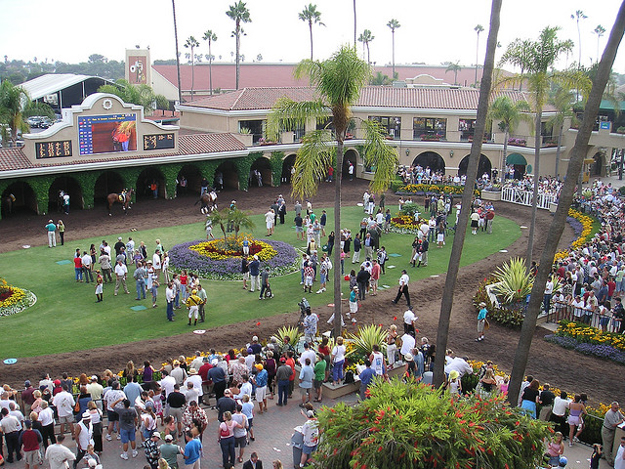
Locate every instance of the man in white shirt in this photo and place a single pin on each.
(121, 272)
(307, 353)
(58, 455)
(170, 296)
(64, 403)
(96, 390)
(407, 344)
(403, 288)
(115, 394)
(409, 321)
(196, 380)
(460, 365)
(87, 264)
(167, 383)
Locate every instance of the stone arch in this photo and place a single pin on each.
(146, 178)
(597, 166)
(519, 163)
(71, 187)
(107, 183)
(431, 159)
(263, 166)
(193, 175)
(25, 199)
(484, 166)
(350, 156)
(287, 164)
(226, 176)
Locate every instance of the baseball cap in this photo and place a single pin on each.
(310, 413)
(26, 383)
(169, 438)
(94, 378)
(255, 338)
(156, 435)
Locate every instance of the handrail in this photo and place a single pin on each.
(524, 197)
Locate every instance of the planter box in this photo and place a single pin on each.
(491, 195)
(334, 392)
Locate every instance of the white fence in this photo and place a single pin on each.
(523, 197)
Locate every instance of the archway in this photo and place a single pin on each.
(146, 179)
(71, 187)
(516, 166)
(107, 183)
(287, 166)
(193, 177)
(350, 156)
(484, 166)
(226, 177)
(23, 200)
(432, 159)
(261, 167)
(597, 167)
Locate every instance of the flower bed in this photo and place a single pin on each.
(582, 226)
(184, 256)
(14, 300)
(583, 333)
(421, 189)
(406, 224)
(212, 249)
(504, 314)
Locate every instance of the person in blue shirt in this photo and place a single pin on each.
(366, 378)
(192, 450)
(51, 229)
(481, 322)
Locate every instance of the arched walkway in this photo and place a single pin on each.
(193, 176)
(518, 163)
(350, 157)
(260, 167)
(226, 177)
(597, 167)
(484, 166)
(287, 166)
(431, 159)
(71, 187)
(25, 199)
(107, 183)
(146, 178)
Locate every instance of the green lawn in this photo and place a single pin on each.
(66, 317)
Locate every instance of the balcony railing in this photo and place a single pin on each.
(523, 197)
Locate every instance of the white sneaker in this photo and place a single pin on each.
(134, 453)
(324, 288)
(124, 456)
(108, 437)
(119, 437)
(320, 290)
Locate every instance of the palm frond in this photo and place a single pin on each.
(287, 113)
(312, 162)
(380, 155)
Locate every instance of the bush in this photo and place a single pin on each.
(504, 315)
(410, 208)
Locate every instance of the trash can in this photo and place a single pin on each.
(297, 442)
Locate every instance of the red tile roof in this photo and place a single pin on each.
(208, 143)
(13, 158)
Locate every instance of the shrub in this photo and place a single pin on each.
(366, 338)
(504, 315)
(515, 283)
(410, 208)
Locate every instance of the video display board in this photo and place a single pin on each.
(107, 133)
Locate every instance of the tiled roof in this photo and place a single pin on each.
(13, 158)
(208, 143)
(248, 99)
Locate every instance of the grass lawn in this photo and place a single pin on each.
(66, 317)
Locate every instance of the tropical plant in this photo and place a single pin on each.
(415, 426)
(518, 53)
(11, 106)
(366, 338)
(162, 103)
(35, 108)
(579, 15)
(191, 44)
(338, 82)
(515, 282)
(141, 95)
(311, 15)
(454, 67)
(173, 6)
(562, 101)
(478, 29)
(239, 14)
(211, 37)
(293, 333)
(240, 219)
(393, 24)
(509, 114)
(599, 31)
(409, 209)
(380, 80)
(366, 37)
(219, 218)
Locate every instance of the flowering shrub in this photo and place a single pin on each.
(14, 300)
(406, 223)
(285, 260)
(434, 188)
(520, 142)
(215, 249)
(504, 315)
(584, 333)
(582, 226)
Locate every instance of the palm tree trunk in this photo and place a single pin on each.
(173, 4)
(566, 197)
(505, 153)
(237, 60)
(355, 23)
(558, 150)
(393, 35)
(210, 70)
(311, 40)
(467, 195)
(192, 73)
(530, 242)
(338, 176)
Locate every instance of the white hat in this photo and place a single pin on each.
(255, 338)
(408, 357)
(156, 435)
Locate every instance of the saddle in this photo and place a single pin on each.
(120, 198)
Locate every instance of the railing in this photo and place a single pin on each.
(523, 197)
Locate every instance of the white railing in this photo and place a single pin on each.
(523, 197)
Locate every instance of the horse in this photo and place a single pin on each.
(122, 198)
(7, 204)
(209, 202)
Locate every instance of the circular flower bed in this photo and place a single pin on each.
(14, 300)
(205, 259)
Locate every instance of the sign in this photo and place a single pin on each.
(53, 149)
(158, 141)
(604, 125)
(107, 133)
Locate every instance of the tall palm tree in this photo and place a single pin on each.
(518, 53)
(467, 195)
(173, 5)
(366, 37)
(454, 67)
(240, 219)
(311, 15)
(211, 37)
(579, 15)
(478, 29)
(554, 233)
(355, 28)
(599, 31)
(509, 114)
(239, 14)
(192, 43)
(338, 82)
(12, 99)
(393, 24)
(562, 101)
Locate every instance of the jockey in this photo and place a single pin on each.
(122, 196)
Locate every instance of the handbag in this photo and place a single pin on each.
(486, 324)
(77, 407)
(225, 433)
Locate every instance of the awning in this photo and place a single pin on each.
(516, 158)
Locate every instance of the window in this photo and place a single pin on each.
(254, 128)
(425, 128)
(466, 127)
(392, 125)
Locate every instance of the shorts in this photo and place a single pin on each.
(246, 276)
(309, 449)
(480, 325)
(323, 277)
(353, 307)
(299, 229)
(70, 418)
(305, 391)
(317, 383)
(261, 394)
(250, 422)
(31, 457)
(127, 435)
(176, 412)
(240, 442)
(373, 283)
(308, 281)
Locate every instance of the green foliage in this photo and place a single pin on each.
(293, 333)
(41, 186)
(366, 338)
(141, 95)
(243, 168)
(515, 281)
(170, 173)
(275, 160)
(240, 219)
(34, 108)
(409, 208)
(410, 426)
(510, 316)
(11, 98)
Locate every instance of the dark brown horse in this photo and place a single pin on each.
(123, 198)
(209, 201)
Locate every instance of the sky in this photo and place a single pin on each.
(431, 32)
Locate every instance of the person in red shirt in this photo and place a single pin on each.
(206, 384)
(30, 440)
(78, 268)
(375, 277)
(290, 361)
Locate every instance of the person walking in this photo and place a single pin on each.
(481, 322)
(121, 272)
(613, 417)
(51, 230)
(403, 288)
(140, 275)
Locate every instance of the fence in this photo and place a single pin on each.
(523, 197)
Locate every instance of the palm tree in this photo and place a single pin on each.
(355, 28)
(562, 101)
(579, 15)
(454, 67)
(211, 37)
(599, 31)
(509, 114)
(366, 37)
(11, 106)
(192, 43)
(380, 80)
(393, 24)
(311, 16)
(142, 95)
(554, 233)
(518, 53)
(240, 219)
(173, 5)
(467, 195)
(478, 29)
(338, 82)
(220, 218)
(239, 14)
